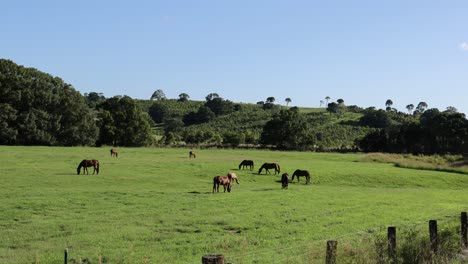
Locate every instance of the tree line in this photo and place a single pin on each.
(39, 109)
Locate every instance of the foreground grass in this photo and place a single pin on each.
(155, 205)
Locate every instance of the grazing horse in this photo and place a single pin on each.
(246, 163)
(285, 180)
(226, 181)
(88, 163)
(192, 154)
(233, 177)
(268, 166)
(114, 152)
(301, 173)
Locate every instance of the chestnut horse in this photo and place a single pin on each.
(233, 177)
(301, 173)
(114, 152)
(268, 166)
(285, 180)
(192, 154)
(226, 181)
(246, 163)
(88, 163)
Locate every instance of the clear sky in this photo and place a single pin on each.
(364, 52)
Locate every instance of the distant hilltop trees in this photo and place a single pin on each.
(39, 109)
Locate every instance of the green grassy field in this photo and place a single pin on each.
(154, 205)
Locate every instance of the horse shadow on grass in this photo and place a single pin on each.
(197, 192)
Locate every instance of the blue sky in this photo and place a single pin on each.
(364, 52)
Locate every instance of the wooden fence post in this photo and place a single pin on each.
(65, 259)
(464, 227)
(391, 236)
(433, 235)
(331, 252)
(213, 259)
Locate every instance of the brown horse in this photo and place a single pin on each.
(192, 154)
(301, 173)
(233, 177)
(226, 181)
(268, 166)
(88, 163)
(246, 163)
(285, 180)
(114, 152)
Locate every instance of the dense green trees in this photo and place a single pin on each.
(430, 132)
(122, 123)
(288, 129)
(38, 109)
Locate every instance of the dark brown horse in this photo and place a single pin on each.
(192, 154)
(246, 163)
(88, 163)
(114, 152)
(285, 180)
(226, 181)
(298, 173)
(268, 166)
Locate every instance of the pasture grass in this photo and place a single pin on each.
(154, 205)
(445, 163)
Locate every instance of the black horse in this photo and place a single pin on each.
(268, 166)
(298, 173)
(285, 180)
(246, 163)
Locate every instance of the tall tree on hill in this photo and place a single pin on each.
(183, 97)
(388, 105)
(327, 99)
(211, 96)
(158, 95)
(287, 100)
(321, 103)
(420, 108)
(410, 108)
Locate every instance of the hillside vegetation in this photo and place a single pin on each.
(39, 109)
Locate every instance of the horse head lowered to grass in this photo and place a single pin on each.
(268, 166)
(298, 173)
(114, 152)
(88, 163)
(226, 181)
(246, 163)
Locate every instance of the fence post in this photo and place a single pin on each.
(391, 236)
(65, 253)
(331, 252)
(433, 235)
(464, 227)
(213, 259)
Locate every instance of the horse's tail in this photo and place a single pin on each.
(97, 167)
(278, 168)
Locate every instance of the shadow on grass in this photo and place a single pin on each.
(267, 189)
(197, 192)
